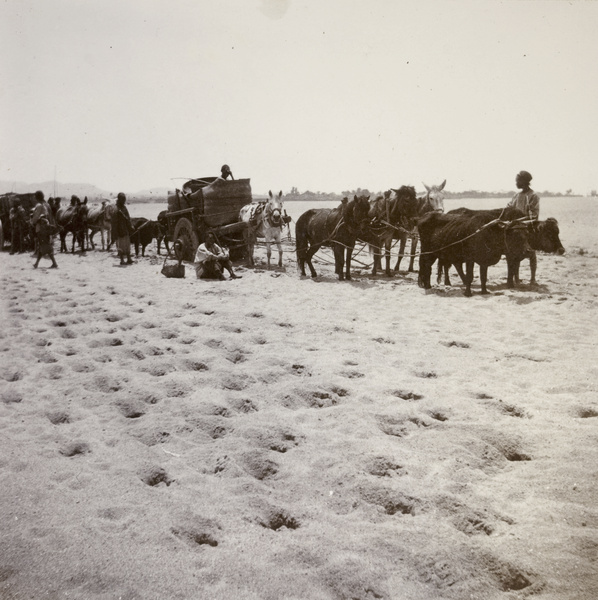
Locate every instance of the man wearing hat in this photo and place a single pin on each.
(528, 202)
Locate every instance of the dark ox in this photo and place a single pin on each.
(542, 236)
(480, 238)
(144, 231)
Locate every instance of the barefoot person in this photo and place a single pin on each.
(45, 241)
(528, 202)
(122, 229)
(42, 209)
(211, 260)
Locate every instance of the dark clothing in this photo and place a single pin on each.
(45, 242)
(121, 231)
(18, 221)
(45, 239)
(121, 223)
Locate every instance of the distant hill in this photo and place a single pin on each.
(93, 193)
(51, 188)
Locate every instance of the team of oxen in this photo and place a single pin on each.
(460, 238)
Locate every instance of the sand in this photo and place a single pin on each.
(278, 437)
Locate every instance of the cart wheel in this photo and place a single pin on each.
(185, 240)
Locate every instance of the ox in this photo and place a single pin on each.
(480, 238)
(390, 216)
(144, 231)
(542, 236)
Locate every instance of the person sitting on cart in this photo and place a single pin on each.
(225, 172)
(211, 260)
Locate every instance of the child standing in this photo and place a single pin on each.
(45, 239)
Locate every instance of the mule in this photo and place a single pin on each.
(392, 217)
(336, 227)
(431, 201)
(99, 219)
(264, 220)
(72, 219)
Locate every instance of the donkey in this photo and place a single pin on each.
(265, 220)
(72, 219)
(98, 219)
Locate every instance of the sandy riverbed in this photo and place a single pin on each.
(277, 437)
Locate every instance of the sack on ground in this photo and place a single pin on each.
(173, 270)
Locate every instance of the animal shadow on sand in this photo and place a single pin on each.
(359, 283)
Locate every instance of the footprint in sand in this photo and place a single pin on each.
(197, 531)
(383, 466)
(155, 476)
(277, 519)
(75, 448)
(58, 417)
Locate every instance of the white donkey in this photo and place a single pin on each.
(264, 220)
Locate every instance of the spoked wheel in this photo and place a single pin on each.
(185, 240)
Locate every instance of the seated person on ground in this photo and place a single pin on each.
(211, 260)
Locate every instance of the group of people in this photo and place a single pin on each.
(211, 260)
(42, 222)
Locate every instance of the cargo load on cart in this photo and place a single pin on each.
(208, 204)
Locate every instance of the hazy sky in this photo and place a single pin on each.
(325, 95)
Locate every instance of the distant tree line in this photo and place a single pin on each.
(308, 196)
(295, 195)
